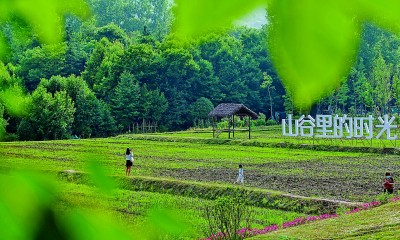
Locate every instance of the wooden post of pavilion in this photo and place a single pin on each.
(249, 126)
(229, 128)
(213, 126)
(233, 124)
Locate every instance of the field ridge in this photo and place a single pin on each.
(255, 143)
(210, 191)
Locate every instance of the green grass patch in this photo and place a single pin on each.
(132, 208)
(378, 223)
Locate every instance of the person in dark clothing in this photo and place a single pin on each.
(388, 183)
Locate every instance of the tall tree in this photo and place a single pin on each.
(177, 117)
(3, 122)
(92, 117)
(198, 111)
(396, 86)
(125, 101)
(267, 84)
(41, 62)
(101, 72)
(141, 60)
(88, 107)
(342, 97)
(50, 116)
(288, 102)
(381, 76)
(112, 32)
(153, 104)
(356, 82)
(204, 82)
(133, 15)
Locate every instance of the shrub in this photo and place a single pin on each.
(226, 216)
(11, 137)
(222, 125)
(261, 120)
(383, 197)
(271, 122)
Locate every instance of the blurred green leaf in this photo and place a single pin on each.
(4, 10)
(89, 225)
(313, 45)
(383, 13)
(196, 17)
(15, 100)
(99, 175)
(23, 197)
(26, 210)
(166, 222)
(45, 16)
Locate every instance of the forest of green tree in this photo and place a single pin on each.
(122, 67)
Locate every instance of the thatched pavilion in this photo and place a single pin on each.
(230, 110)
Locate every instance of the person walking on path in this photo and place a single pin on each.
(129, 161)
(388, 183)
(240, 178)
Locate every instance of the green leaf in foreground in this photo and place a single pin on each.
(382, 13)
(193, 18)
(166, 222)
(99, 176)
(15, 101)
(88, 225)
(313, 45)
(45, 16)
(24, 202)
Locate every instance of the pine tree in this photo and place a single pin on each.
(125, 101)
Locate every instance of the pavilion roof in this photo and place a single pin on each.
(229, 109)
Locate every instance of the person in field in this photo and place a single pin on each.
(129, 161)
(388, 183)
(240, 178)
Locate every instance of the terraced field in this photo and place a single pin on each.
(191, 157)
(337, 175)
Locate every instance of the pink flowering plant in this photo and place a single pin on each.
(248, 232)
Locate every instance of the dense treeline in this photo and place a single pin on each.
(122, 68)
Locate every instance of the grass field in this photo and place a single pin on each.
(273, 135)
(194, 157)
(339, 175)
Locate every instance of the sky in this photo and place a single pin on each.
(255, 19)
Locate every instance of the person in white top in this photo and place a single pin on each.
(129, 161)
(240, 178)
